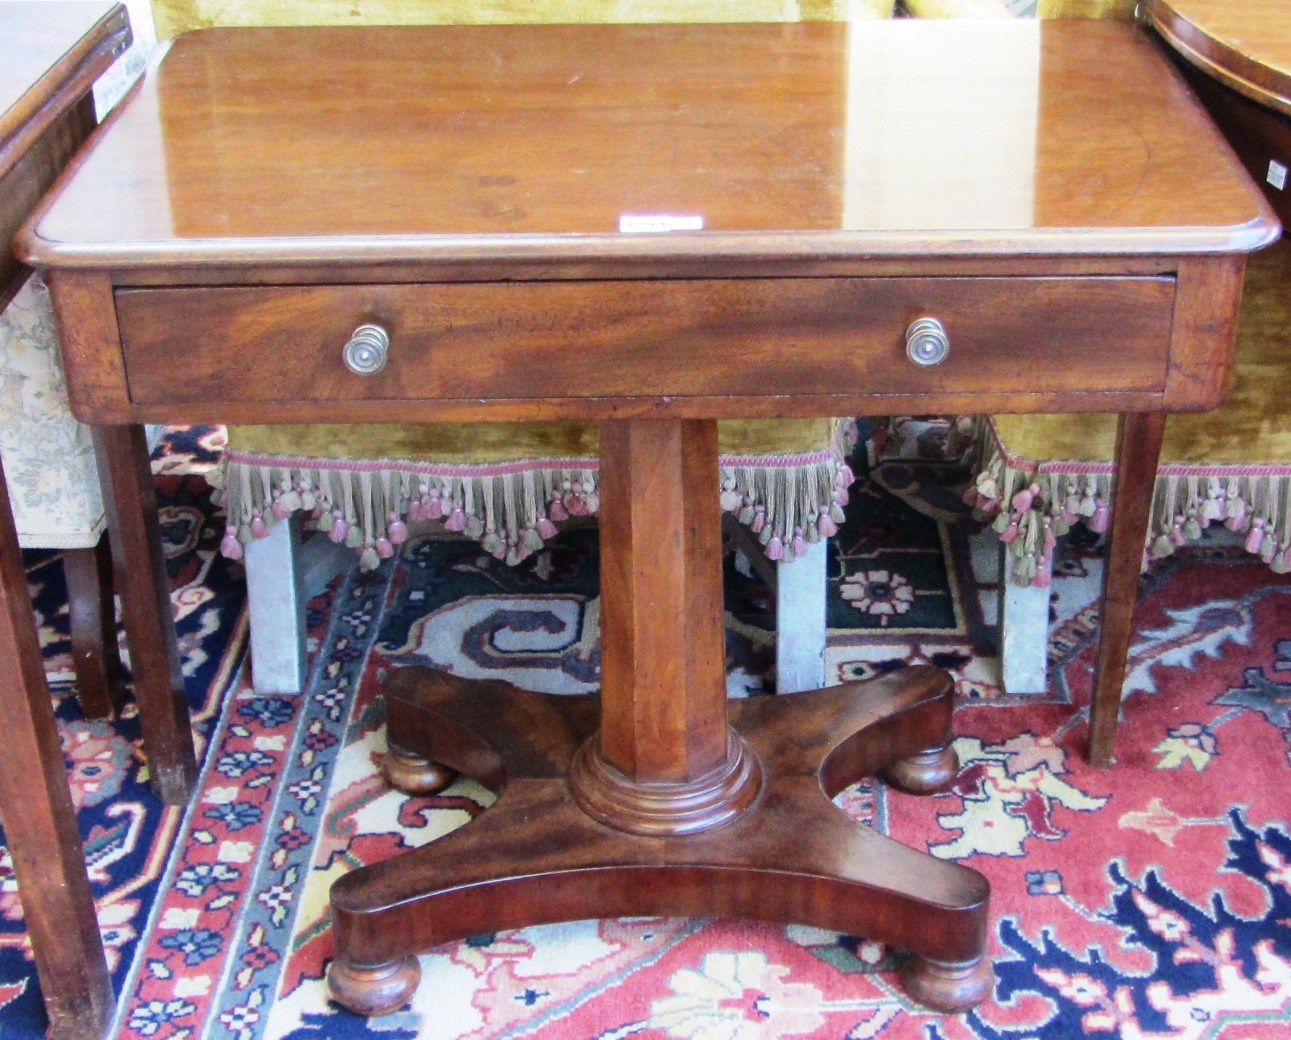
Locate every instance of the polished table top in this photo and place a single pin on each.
(821, 140)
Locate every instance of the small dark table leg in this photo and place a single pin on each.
(1138, 450)
(40, 823)
(93, 621)
(660, 796)
(145, 606)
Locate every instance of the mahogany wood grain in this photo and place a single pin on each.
(1259, 135)
(1206, 304)
(96, 658)
(146, 611)
(799, 337)
(28, 177)
(53, 55)
(1244, 44)
(535, 856)
(50, 56)
(40, 821)
(1138, 449)
(744, 126)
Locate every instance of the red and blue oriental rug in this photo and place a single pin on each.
(1149, 901)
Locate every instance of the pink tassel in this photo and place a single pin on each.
(339, 527)
(1098, 522)
(398, 530)
(759, 519)
(1050, 539)
(826, 526)
(775, 548)
(848, 477)
(1235, 514)
(842, 497)
(230, 547)
(280, 509)
(433, 507)
(546, 529)
(1176, 531)
(1010, 532)
(1023, 499)
(799, 543)
(384, 549)
(1256, 538)
(1043, 575)
(971, 497)
(556, 510)
(259, 529)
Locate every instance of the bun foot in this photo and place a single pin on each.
(924, 773)
(373, 991)
(413, 774)
(949, 987)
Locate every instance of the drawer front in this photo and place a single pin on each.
(630, 339)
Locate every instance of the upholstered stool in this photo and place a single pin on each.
(54, 488)
(1037, 475)
(509, 486)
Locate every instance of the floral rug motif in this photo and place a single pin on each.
(1152, 900)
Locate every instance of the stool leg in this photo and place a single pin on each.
(92, 619)
(800, 621)
(1024, 633)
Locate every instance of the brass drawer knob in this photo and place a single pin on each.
(926, 342)
(367, 351)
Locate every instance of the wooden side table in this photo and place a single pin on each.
(655, 227)
(50, 56)
(1237, 54)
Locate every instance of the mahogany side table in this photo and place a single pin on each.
(656, 227)
(50, 56)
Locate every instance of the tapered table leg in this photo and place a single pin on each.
(1138, 450)
(146, 611)
(39, 820)
(660, 797)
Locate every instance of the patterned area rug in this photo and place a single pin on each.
(1152, 900)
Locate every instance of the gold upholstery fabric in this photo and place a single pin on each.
(176, 16)
(1123, 9)
(1037, 474)
(470, 443)
(1252, 427)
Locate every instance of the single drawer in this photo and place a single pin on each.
(631, 339)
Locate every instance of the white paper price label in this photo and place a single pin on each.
(657, 223)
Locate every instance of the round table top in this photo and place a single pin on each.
(1245, 44)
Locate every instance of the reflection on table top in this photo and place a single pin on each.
(419, 143)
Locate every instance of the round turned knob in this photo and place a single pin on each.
(926, 342)
(367, 350)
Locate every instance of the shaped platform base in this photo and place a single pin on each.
(777, 849)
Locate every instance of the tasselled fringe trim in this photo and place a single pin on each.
(511, 509)
(1030, 505)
